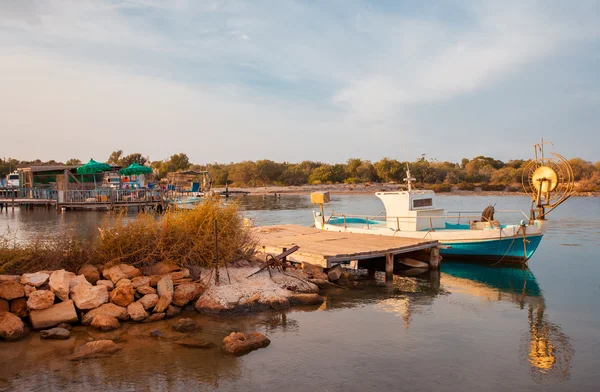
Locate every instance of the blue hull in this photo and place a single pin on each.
(506, 249)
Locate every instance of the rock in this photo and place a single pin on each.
(136, 311)
(163, 303)
(154, 280)
(130, 271)
(19, 307)
(238, 343)
(187, 292)
(323, 283)
(96, 349)
(275, 302)
(88, 297)
(149, 300)
(122, 295)
(11, 290)
(36, 279)
(306, 299)
(109, 309)
(77, 280)
(105, 322)
(154, 317)
(184, 273)
(172, 311)
(314, 271)
(64, 326)
(140, 281)
(123, 282)
(59, 284)
(90, 272)
(144, 290)
(11, 327)
(334, 273)
(4, 305)
(28, 290)
(114, 274)
(10, 278)
(55, 333)
(184, 325)
(63, 312)
(40, 299)
(162, 269)
(195, 343)
(108, 283)
(209, 305)
(165, 286)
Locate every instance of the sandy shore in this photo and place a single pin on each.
(362, 189)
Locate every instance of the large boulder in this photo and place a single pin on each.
(165, 286)
(114, 274)
(275, 302)
(62, 312)
(110, 309)
(187, 292)
(19, 307)
(314, 271)
(163, 303)
(29, 289)
(95, 349)
(136, 311)
(145, 289)
(36, 279)
(4, 305)
(140, 281)
(40, 299)
(11, 327)
(60, 283)
(177, 275)
(55, 333)
(10, 278)
(88, 297)
(238, 343)
(105, 322)
(123, 282)
(122, 295)
(11, 290)
(90, 272)
(149, 300)
(130, 271)
(209, 305)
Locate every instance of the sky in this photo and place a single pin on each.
(226, 81)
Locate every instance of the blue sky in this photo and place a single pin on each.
(292, 80)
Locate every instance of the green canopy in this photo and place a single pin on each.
(93, 167)
(135, 169)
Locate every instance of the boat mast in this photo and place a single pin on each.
(409, 179)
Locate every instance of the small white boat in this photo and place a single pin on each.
(414, 214)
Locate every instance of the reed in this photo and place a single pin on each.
(182, 237)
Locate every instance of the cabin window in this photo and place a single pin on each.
(422, 203)
(13, 177)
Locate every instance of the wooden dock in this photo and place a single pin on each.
(327, 248)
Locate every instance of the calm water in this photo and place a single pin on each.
(469, 327)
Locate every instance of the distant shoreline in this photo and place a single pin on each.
(361, 189)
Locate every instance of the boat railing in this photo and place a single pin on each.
(452, 215)
(9, 193)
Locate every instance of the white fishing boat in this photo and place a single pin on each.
(414, 214)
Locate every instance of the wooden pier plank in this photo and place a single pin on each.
(327, 247)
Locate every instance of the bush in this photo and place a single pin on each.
(182, 237)
(465, 186)
(493, 187)
(439, 188)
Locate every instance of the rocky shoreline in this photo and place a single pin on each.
(104, 299)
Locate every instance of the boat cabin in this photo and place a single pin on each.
(413, 210)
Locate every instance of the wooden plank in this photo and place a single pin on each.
(328, 247)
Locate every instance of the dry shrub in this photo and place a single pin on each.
(64, 251)
(183, 237)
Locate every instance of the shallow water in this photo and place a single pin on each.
(468, 327)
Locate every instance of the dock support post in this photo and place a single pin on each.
(434, 258)
(389, 267)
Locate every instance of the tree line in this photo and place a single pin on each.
(486, 172)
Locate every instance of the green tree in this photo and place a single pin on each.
(389, 170)
(131, 158)
(73, 162)
(115, 157)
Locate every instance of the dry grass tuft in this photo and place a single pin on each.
(182, 237)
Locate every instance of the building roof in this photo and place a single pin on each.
(47, 168)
